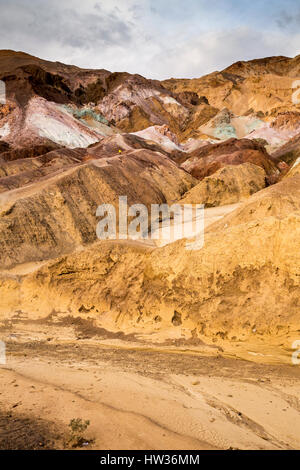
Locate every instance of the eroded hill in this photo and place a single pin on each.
(72, 139)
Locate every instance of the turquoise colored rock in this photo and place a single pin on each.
(226, 131)
(86, 112)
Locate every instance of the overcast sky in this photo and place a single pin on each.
(156, 38)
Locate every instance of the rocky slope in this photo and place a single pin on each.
(53, 208)
(262, 86)
(72, 139)
(75, 107)
(253, 94)
(207, 159)
(243, 285)
(228, 185)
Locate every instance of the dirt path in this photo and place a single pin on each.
(144, 399)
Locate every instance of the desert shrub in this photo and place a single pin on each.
(77, 428)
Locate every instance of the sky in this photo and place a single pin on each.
(155, 38)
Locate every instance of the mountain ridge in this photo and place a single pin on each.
(72, 139)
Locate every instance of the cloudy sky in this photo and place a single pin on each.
(156, 38)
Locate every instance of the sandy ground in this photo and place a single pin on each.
(140, 395)
(194, 225)
(142, 391)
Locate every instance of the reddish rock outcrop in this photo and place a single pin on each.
(207, 160)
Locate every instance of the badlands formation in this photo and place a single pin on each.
(214, 326)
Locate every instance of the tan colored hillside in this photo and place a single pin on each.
(263, 85)
(198, 342)
(50, 190)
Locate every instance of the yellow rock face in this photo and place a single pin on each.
(261, 85)
(242, 285)
(228, 185)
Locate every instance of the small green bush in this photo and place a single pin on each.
(77, 427)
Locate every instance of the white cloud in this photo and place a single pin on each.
(219, 49)
(146, 36)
